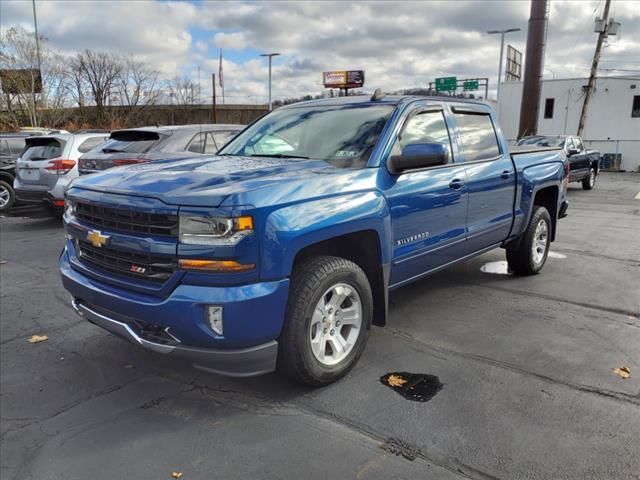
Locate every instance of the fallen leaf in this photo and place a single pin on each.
(396, 380)
(622, 372)
(176, 474)
(37, 338)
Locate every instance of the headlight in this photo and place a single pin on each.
(70, 208)
(214, 230)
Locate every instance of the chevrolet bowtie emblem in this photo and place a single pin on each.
(97, 239)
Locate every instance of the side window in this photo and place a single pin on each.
(91, 143)
(221, 138)
(568, 144)
(426, 127)
(478, 137)
(578, 143)
(197, 143)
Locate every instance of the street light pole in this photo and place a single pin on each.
(502, 34)
(270, 55)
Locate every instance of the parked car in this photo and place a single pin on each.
(11, 147)
(139, 145)
(49, 163)
(280, 252)
(584, 164)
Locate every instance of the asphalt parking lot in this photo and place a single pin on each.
(526, 366)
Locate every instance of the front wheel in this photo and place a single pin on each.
(532, 252)
(7, 196)
(589, 182)
(327, 320)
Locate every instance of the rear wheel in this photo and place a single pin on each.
(327, 320)
(7, 196)
(589, 182)
(532, 252)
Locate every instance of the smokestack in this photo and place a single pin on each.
(534, 63)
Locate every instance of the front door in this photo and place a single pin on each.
(428, 206)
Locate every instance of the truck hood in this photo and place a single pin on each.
(202, 181)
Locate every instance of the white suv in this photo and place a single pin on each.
(49, 163)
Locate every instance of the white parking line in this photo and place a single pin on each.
(637, 197)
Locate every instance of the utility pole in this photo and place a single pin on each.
(502, 33)
(533, 67)
(270, 55)
(594, 67)
(34, 119)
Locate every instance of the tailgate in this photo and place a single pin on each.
(32, 165)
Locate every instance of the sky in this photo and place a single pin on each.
(399, 44)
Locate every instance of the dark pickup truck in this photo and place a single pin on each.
(584, 165)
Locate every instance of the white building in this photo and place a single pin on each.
(613, 117)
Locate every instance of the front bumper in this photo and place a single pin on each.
(176, 325)
(237, 362)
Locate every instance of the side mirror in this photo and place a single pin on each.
(419, 155)
(573, 151)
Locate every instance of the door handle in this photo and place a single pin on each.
(506, 174)
(456, 184)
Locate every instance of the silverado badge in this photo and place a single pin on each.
(97, 239)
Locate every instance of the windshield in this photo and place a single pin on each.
(542, 141)
(343, 135)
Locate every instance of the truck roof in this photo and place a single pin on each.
(386, 100)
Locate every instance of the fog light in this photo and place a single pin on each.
(214, 316)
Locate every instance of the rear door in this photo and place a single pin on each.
(32, 165)
(429, 205)
(490, 178)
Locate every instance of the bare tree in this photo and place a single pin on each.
(136, 88)
(27, 97)
(183, 90)
(95, 74)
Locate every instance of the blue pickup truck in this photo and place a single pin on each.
(279, 252)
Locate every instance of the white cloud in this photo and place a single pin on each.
(233, 41)
(398, 44)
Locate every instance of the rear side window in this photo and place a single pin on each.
(577, 143)
(90, 144)
(196, 145)
(478, 137)
(43, 149)
(425, 127)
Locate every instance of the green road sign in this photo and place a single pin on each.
(470, 85)
(446, 84)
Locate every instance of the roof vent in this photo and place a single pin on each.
(377, 95)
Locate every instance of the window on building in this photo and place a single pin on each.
(479, 141)
(548, 107)
(635, 110)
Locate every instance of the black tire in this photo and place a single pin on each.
(522, 261)
(309, 282)
(590, 180)
(7, 189)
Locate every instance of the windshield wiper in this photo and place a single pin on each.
(277, 155)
